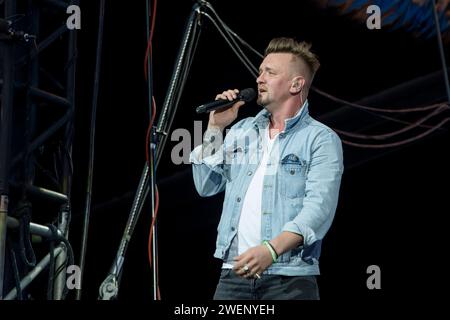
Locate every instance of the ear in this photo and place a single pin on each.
(297, 85)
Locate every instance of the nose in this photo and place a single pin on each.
(260, 78)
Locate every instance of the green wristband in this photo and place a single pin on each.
(272, 250)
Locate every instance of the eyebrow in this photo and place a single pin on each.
(266, 68)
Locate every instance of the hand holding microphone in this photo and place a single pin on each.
(222, 115)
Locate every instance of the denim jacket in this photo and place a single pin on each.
(300, 188)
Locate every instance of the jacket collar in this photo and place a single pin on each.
(262, 119)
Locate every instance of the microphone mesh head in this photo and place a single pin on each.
(247, 95)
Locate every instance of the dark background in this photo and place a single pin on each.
(392, 209)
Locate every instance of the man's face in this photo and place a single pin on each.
(274, 80)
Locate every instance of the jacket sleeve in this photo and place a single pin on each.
(323, 180)
(208, 164)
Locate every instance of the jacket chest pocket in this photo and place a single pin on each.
(292, 176)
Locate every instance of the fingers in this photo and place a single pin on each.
(248, 270)
(247, 266)
(237, 105)
(251, 273)
(228, 95)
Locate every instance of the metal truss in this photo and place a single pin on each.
(36, 135)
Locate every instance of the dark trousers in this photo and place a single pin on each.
(269, 287)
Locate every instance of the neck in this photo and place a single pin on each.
(280, 114)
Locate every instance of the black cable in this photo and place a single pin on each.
(61, 268)
(15, 268)
(237, 51)
(63, 149)
(24, 235)
(87, 211)
(230, 35)
(54, 239)
(245, 43)
(152, 138)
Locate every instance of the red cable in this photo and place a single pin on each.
(148, 52)
(393, 133)
(150, 39)
(152, 225)
(356, 105)
(147, 155)
(398, 143)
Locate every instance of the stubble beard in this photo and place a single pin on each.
(262, 101)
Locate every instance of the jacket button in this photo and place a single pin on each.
(238, 199)
(249, 173)
(292, 172)
(233, 228)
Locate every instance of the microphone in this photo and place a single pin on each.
(246, 95)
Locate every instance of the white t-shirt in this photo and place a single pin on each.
(249, 227)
